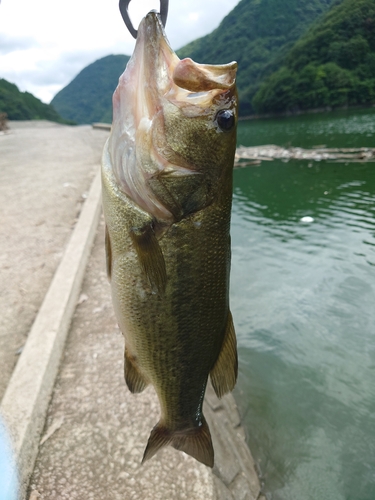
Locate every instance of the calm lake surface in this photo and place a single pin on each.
(303, 301)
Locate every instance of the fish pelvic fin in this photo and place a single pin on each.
(195, 442)
(150, 256)
(224, 373)
(133, 377)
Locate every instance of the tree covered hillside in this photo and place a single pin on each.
(88, 98)
(333, 64)
(257, 34)
(24, 106)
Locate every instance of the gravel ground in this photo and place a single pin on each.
(46, 170)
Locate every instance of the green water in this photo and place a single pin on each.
(303, 299)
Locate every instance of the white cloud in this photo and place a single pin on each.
(193, 16)
(10, 43)
(45, 44)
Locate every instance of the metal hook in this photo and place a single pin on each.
(124, 4)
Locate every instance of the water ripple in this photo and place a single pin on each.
(303, 295)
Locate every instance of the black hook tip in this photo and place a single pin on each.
(124, 4)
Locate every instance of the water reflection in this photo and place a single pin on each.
(303, 300)
(343, 128)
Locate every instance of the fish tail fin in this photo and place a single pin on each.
(160, 436)
(195, 442)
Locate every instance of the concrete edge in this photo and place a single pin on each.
(234, 474)
(26, 399)
(102, 126)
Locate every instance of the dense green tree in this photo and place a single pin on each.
(293, 55)
(24, 106)
(332, 64)
(88, 98)
(257, 34)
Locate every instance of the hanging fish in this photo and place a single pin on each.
(167, 194)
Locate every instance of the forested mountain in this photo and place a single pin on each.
(257, 34)
(24, 106)
(88, 98)
(293, 55)
(332, 64)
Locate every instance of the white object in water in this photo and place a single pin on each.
(307, 219)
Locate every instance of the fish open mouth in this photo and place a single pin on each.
(154, 77)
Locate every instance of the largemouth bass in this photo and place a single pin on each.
(167, 193)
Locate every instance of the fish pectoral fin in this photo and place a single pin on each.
(108, 253)
(195, 442)
(133, 377)
(224, 373)
(150, 257)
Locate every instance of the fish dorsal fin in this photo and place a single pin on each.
(224, 373)
(195, 442)
(133, 377)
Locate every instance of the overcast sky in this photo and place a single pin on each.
(44, 44)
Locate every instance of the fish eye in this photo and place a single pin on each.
(225, 119)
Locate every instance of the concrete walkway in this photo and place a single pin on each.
(95, 431)
(46, 171)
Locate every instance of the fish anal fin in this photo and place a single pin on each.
(150, 256)
(108, 253)
(224, 373)
(133, 377)
(196, 442)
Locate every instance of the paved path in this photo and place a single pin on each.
(46, 170)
